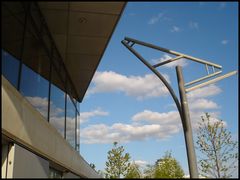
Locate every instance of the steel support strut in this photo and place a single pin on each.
(192, 162)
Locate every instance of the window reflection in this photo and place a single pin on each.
(10, 67)
(12, 37)
(35, 89)
(35, 71)
(57, 105)
(12, 27)
(78, 130)
(71, 119)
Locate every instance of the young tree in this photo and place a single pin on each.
(168, 167)
(165, 167)
(219, 153)
(101, 173)
(92, 165)
(133, 171)
(149, 171)
(118, 162)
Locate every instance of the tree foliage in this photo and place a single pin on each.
(219, 153)
(165, 167)
(133, 171)
(149, 171)
(92, 165)
(168, 167)
(118, 162)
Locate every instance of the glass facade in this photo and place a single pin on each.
(57, 106)
(70, 125)
(10, 62)
(31, 63)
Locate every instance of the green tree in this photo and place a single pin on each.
(149, 171)
(168, 167)
(92, 165)
(133, 171)
(219, 153)
(165, 167)
(118, 162)
(101, 173)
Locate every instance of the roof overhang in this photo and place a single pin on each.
(81, 31)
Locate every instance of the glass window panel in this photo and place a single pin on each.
(10, 67)
(57, 105)
(35, 71)
(70, 118)
(78, 129)
(12, 26)
(58, 78)
(35, 88)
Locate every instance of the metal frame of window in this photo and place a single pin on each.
(22, 46)
(76, 130)
(65, 118)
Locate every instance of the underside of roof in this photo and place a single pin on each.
(81, 31)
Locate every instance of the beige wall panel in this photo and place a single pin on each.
(29, 165)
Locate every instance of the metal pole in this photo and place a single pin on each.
(192, 163)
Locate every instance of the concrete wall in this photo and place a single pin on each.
(25, 125)
(70, 175)
(29, 165)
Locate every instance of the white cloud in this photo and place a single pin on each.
(210, 90)
(85, 116)
(224, 42)
(193, 25)
(141, 87)
(195, 117)
(175, 29)
(153, 125)
(141, 163)
(155, 19)
(171, 117)
(202, 104)
(179, 62)
(39, 101)
(159, 126)
(41, 104)
(101, 133)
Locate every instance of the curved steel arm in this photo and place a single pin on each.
(159, 76)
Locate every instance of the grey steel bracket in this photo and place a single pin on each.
(216, 68)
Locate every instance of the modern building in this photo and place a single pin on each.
(50, 52)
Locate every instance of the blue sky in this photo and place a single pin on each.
(125, 102)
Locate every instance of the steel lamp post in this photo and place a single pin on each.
(182, 106)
